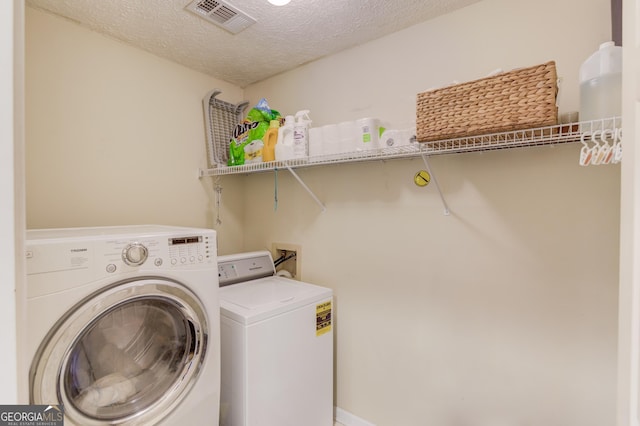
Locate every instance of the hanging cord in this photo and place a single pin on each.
(283, 259)
(275, 190)
(218, 189)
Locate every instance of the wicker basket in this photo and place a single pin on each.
(519, 99)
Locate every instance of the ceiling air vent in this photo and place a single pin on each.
(222, 14)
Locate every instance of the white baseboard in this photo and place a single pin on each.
(347, 419)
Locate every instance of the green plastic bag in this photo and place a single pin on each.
(253, 128)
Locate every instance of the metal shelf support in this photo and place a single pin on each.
(435, 181)
(306, 188)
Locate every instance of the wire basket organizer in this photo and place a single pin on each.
(220, 118)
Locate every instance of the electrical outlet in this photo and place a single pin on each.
(288, 257)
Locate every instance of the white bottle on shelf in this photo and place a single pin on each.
(284, 146)
(301, 134)
(601, 84)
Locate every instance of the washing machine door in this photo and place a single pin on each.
(127, 355)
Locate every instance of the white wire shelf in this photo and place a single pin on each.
(551, 135)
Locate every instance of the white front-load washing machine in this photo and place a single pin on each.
(123, 324)
(277, 346)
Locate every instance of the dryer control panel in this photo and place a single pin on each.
(188, 250)
(120, 253)
(82, 255)
(158, 252)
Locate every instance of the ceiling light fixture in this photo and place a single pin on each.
(279, 2)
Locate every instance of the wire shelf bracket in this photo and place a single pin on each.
(306, 188)
(447, 212)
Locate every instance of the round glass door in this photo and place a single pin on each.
(131, 360)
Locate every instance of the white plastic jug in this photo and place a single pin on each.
(601, 84)
(301, 134)
(284, 147)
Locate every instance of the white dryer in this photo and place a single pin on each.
(123, 324)
(277, 346)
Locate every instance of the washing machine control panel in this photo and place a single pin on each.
(240, 268)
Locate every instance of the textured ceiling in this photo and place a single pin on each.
(281, 39)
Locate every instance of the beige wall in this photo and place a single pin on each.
(114, 135)
(503, 313)
(382, 78)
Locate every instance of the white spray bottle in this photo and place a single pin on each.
(301, 134)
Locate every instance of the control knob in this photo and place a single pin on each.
(135, 254)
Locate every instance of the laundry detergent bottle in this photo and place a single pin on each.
(284, 146)
(270, 141)
(601, 83)
(301, 134)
